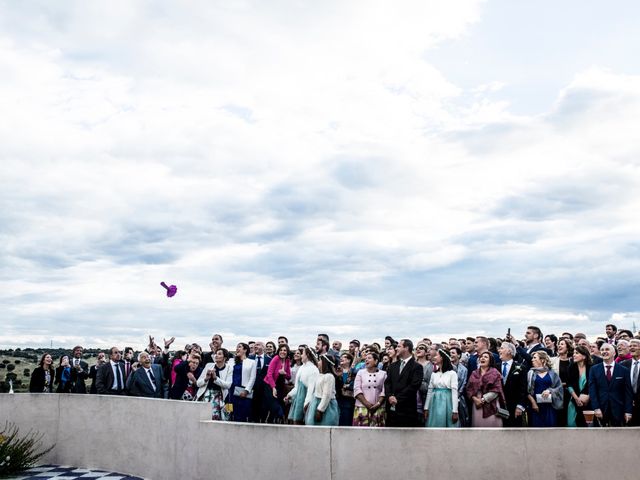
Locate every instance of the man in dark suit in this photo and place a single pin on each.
(481, 345)
(610, 390)
(633, 364)
(259, 408)
(401, 387)
(146, 379)
(110, 377)
(514, 384)
(533, 343)
(79, 371)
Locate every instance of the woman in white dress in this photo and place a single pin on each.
(302, 392)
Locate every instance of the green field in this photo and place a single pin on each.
(18, 365)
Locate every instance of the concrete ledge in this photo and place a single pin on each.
(162, 439)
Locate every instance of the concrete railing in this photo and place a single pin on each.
(161, 439)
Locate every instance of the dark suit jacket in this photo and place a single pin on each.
(523, 356)
(104, 379)
(515, 391)
(613, 398)
(139, 383)
(404, 386)
(78, 377)
(635, 420)
(472, 364)
(262, 372)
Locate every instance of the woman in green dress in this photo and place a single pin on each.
(578, 387)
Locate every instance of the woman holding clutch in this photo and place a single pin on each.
(243, 378)
(545, 391)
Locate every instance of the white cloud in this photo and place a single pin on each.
(295, 167)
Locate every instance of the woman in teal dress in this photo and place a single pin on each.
(323, 409)
(578, 387)
(441, 406)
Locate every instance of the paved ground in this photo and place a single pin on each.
(68, 473)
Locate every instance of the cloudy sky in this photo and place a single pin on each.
(361, 168)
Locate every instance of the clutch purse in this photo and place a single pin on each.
(238, 390)
(541, 399)
(502, 413)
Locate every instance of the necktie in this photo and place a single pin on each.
(401, 365)
(152, 378)
(634, 376)
(608, 373)
(127, 366)
(259, 362)
(118, 377)
(504, 372)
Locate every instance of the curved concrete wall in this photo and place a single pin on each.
(161, 439)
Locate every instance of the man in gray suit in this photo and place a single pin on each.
(146, 379)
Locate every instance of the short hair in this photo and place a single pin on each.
(196, 356)
(224, 351)
(484, 340)
(286, 340)
(458, 350)
(324, 335)
(78, 347)
(509, 346)
(623, 342)
(142, 354)
(375, 356)
(613, 327)
(112, 349)
(492, 360)
(217, 335)
(348, 355)
(628, 332)
(128, 349)
(324, 342)
(408, 344)
(535, 330)
(469, 339)
(567, 334)
(355, 341)
(605, 345)
(377, 345)
(285, 346)
(579, 335)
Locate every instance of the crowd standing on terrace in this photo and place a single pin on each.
(540, 381)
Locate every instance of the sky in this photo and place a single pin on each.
(360, 168)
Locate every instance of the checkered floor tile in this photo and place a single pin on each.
(69, 473)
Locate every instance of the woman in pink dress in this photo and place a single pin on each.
(484, 389)
(368, 390)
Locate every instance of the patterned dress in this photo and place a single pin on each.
(371, 385)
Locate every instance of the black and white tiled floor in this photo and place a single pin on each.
(69, 473)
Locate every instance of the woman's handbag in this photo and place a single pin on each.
(502, 413)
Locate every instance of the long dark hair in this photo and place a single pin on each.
(42, 361)
(446, 360)
(237, 359)
(327, 365)
(311, 356)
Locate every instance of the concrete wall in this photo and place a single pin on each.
(160, 439)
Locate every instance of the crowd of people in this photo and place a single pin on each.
(540, 381)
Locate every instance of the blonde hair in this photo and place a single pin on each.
(544, 358)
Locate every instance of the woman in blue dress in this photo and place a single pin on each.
(243, 378)
(545, 391)
(323, 409)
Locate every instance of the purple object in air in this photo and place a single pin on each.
(171, 289)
